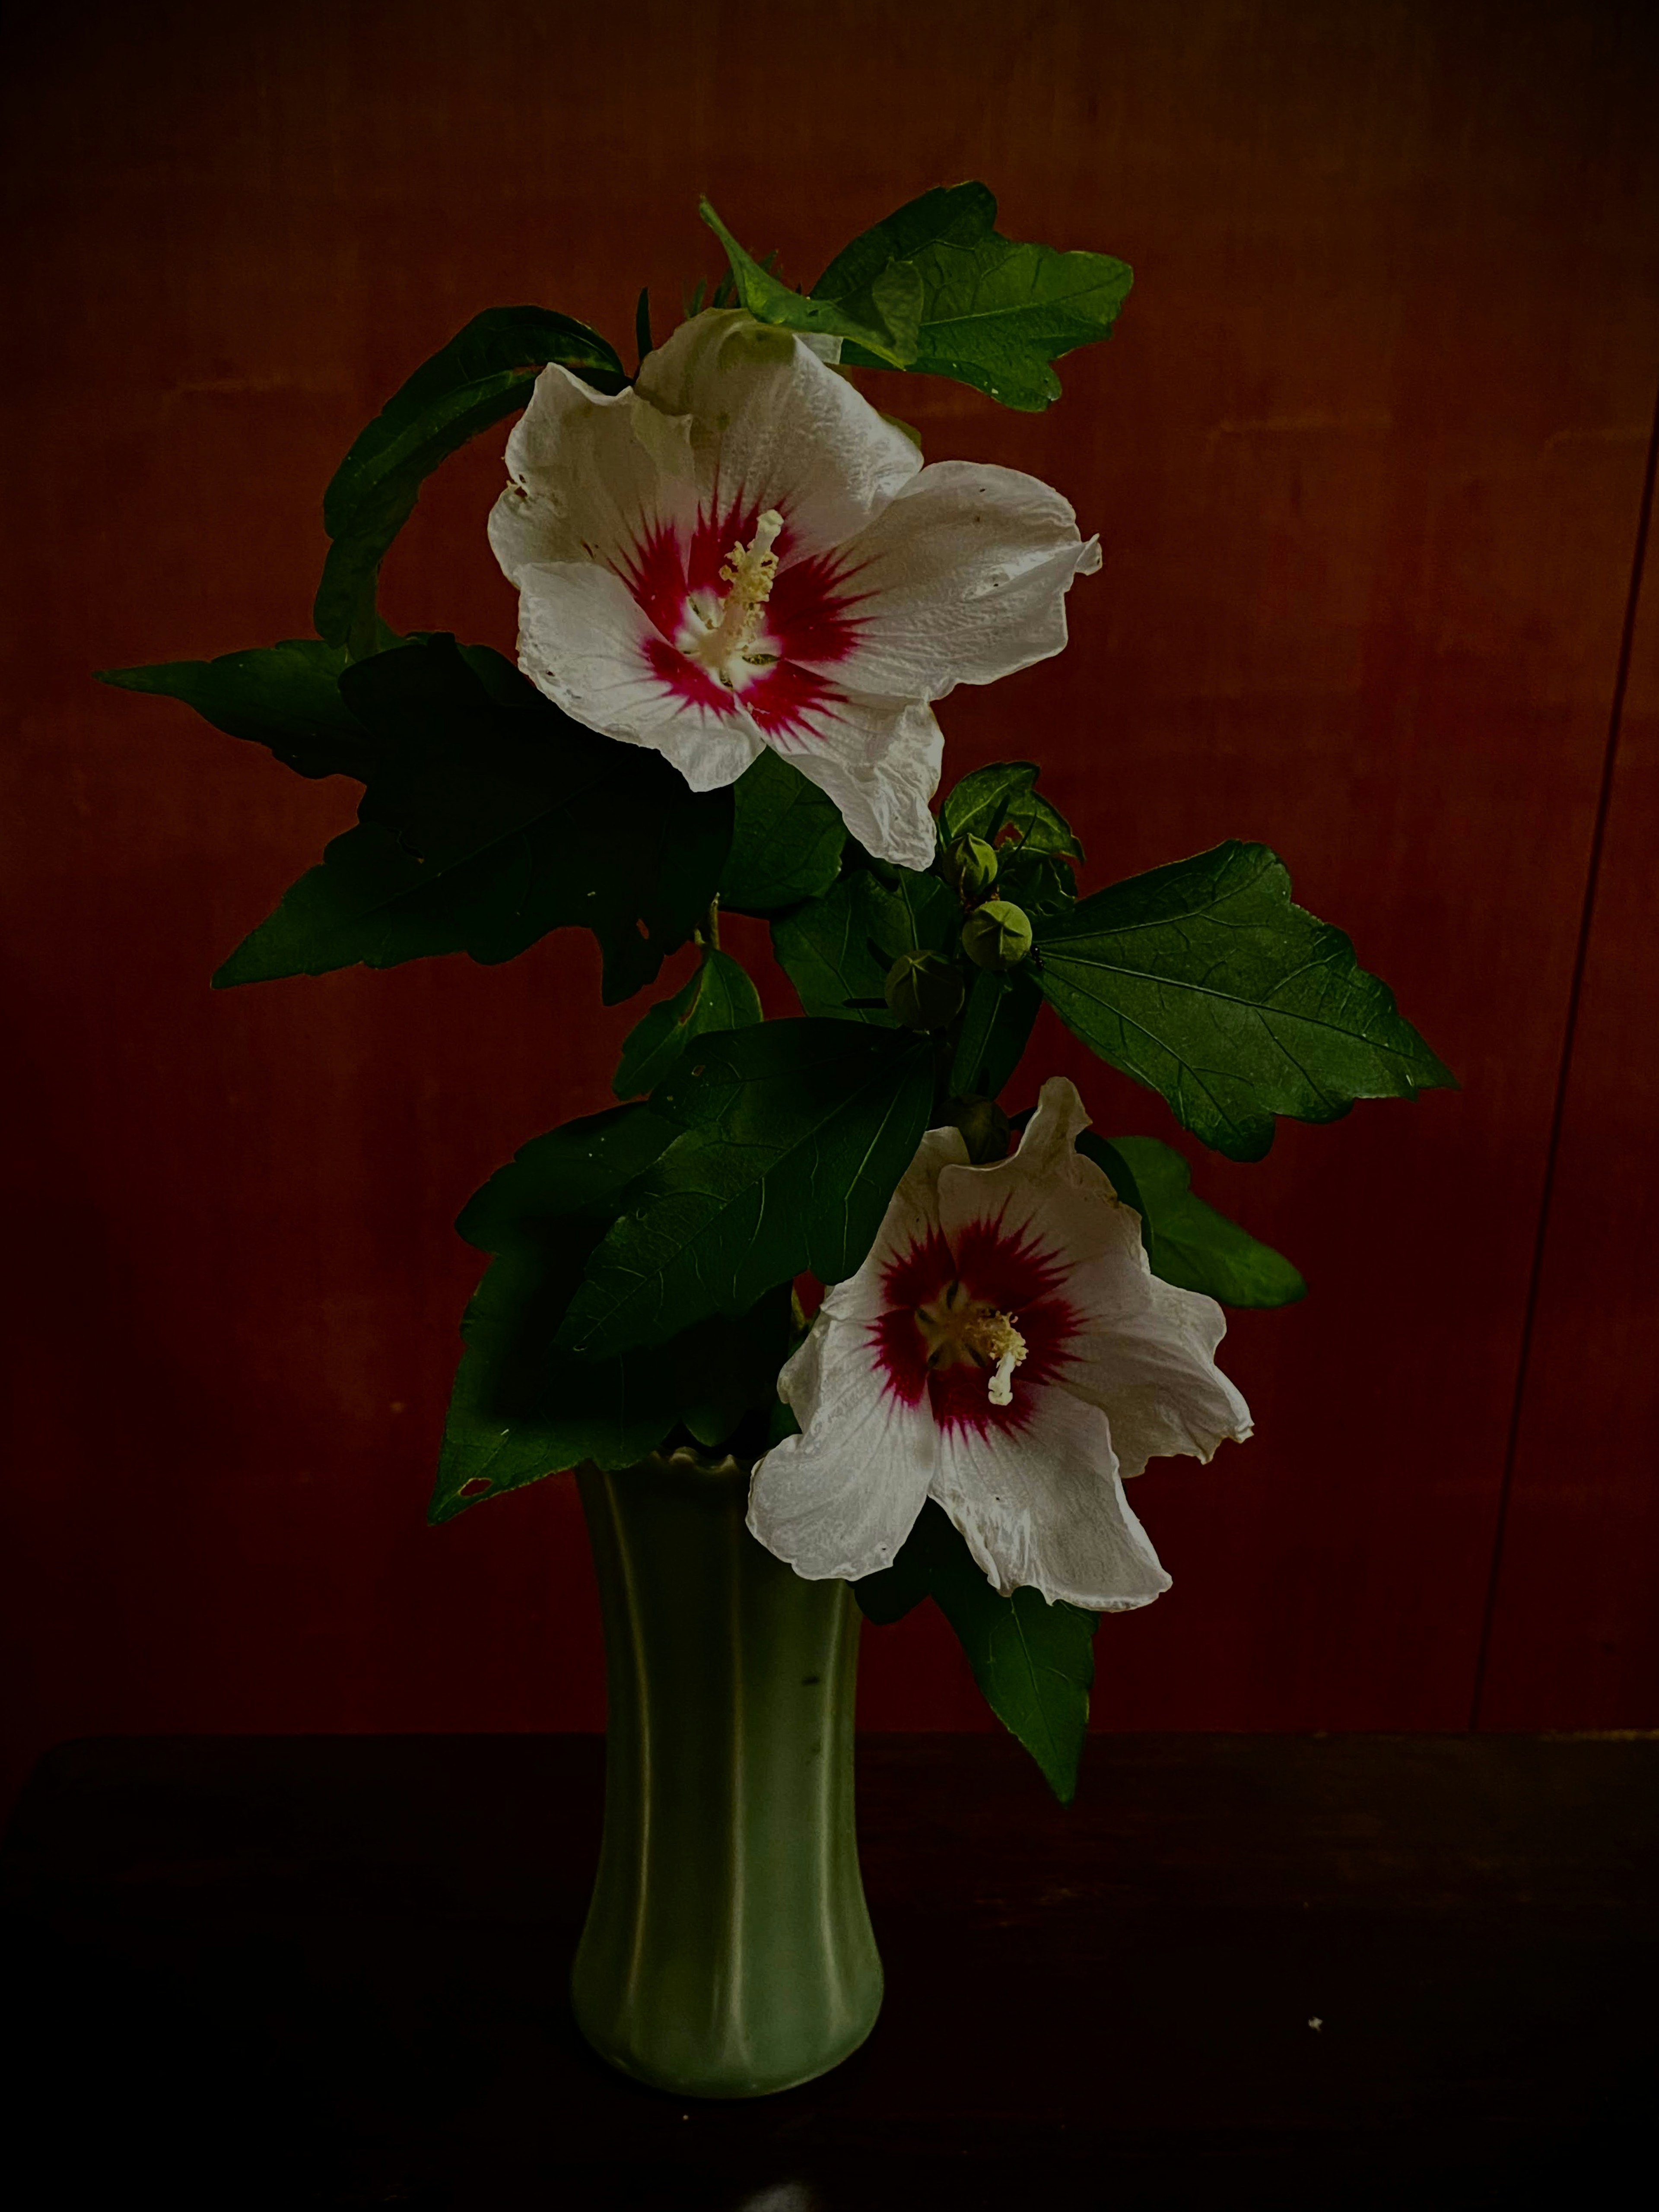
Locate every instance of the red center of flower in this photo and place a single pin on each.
(937, 1338)
(802, 622)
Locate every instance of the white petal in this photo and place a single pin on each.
(912, 1217)
(774, 425)
(1042, 1507)
(878, 759)
(586, 486)
(1048, 1191)
(963, 580)
(839, 1500)
(582, 638)
(1146, 1357)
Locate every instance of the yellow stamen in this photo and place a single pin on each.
(958, 1330)
(750, 570)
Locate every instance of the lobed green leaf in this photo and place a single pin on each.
(1003, 797)
(1188, 1242)
(285, 696)
(883, 317)
(718, 995)
(786, 839)
(994, 312)
(1034, 1661)
(1202, 981)
(490, 819)
(485, 373)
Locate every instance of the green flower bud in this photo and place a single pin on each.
(997, 935)
(985, 1128)
(925, 990)
(971, 865)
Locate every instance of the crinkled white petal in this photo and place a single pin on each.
(1048, 1191)
(1148, 1362)
(879, 760)
(1042, 1508)
(582, 640)
(586, 485)
(773, 425)
(963, 580)
(912, 1217)
(839, 1500)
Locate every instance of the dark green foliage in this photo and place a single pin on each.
(992, 311)
(994, 800)
(787, 840)
(995, 1030)
(286, 696)
(1034, 1661)
(520, 1409)
(1188, 1242)
(884, 319)
(794, 1136)
(718, 995)
(490, 818)
(485, 373)
(840, 947)
(1203, 981)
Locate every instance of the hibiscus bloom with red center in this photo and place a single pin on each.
(738, 551)
(1006, 1350)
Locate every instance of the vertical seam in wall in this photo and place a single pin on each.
(1580, 961)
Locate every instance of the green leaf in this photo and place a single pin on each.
(1203, 981)
(285, 696)
(1034, 1661)
(719, 995)
(786, 839)
(492, 818)
(995, 1030)
(883, 317)
(1004, 797)
(519, 1410)
(795, 1134)
(485, 373)
(840, 947)
(994, 312)
(1188, 1242)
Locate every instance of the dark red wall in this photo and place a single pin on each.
(1367, 459)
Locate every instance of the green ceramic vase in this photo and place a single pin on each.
(728, 1951)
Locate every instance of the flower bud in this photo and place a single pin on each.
(971, 865)
(925, 990)
(997, 935)
(985, 1127)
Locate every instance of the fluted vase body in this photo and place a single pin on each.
(727, 1951)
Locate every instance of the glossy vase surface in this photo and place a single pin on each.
(727, 1951)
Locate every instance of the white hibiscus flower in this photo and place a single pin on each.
(740, 552)
(1006, 1349)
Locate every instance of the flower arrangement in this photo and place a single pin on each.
(743, 592)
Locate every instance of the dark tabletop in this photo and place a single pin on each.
(1263, 1970)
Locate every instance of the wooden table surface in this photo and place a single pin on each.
(1337, 1970)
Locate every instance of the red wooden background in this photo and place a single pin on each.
(1367, 459)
